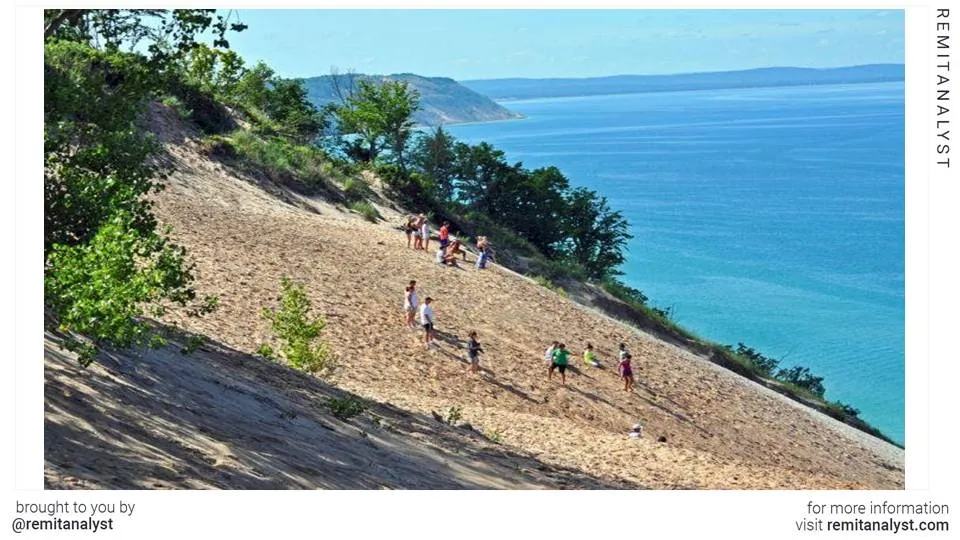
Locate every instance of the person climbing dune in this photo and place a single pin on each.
(425, 232)
(409, 229)
(590, 357)
(444, 235)
(626, 372)
(410, 304)
(561, 357)
(548, 353)
(427, 320)
(474, 350)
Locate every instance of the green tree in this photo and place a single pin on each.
(252, 89)
(288, 105)
(434, 156)
(105, 263)
(95, 160)
(765, 364)
(168, 34)
(596, 235)
(214, 71)
(480, 168)
(381, 116)
(532, 203)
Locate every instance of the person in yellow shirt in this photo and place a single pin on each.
(590, 357)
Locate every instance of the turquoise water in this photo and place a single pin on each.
(771, 216)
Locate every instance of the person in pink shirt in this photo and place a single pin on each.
(626, 372)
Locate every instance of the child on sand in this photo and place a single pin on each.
(483, 258)
(626, 372)
(427, 320)
(548, 353)
(561, 356)
(590, 357)
(473, 352)
(410, 304)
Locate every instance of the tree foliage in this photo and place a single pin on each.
(573, 225)
(802, 377)
(166, 34)
(281, 105)
(105, 263)
(596, 235)
(95, 160)
(99, 288)
(433, 154)
(380, 115)
(766, 365)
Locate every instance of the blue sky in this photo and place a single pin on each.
(539, 43)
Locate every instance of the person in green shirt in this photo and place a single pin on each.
(561, 356)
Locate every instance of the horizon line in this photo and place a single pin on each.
(520, 78)
(901, 64)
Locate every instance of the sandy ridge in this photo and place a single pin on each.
(720, 430)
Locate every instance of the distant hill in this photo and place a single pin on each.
(442, 100)
(628, 84)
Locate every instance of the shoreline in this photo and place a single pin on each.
(518, 117)
(896, 425)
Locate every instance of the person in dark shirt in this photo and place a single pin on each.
(473, 352)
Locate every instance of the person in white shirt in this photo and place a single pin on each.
(425, 233)
(548, 354)
(410, 304)
(427, 320)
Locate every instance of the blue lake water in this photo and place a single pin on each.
(771, 216)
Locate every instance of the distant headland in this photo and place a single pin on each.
(442, 100)
(521, 88)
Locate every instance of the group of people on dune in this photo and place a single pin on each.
(416, 312)
(417, 229)
(557, 356)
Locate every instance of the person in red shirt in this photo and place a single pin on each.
(444, 235)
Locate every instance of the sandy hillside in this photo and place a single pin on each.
(704, 427)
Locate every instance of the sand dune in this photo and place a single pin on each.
(704, 427)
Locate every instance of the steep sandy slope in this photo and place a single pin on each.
(218, 418)
(704, 427)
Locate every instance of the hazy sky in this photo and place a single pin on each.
(539, 43)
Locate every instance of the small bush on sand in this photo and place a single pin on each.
(545, 282)
(193, 343)
(296, 331)
(366, 210)
(266, 351)
(454, 415)
(355, 189)
(345, 408)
